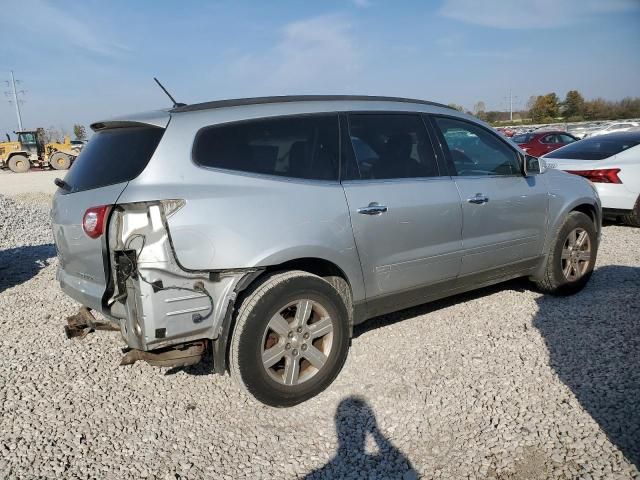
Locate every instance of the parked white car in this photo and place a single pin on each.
(614, 128)
(612, 163)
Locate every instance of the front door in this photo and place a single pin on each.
(503, 213)
(406, 217)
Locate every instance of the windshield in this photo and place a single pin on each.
(596, 148)
(27, 138)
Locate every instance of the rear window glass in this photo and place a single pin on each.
(595, 148)
(113, 156)
(297, 147)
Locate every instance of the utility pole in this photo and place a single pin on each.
(14, 94)
(510, 106)
(511, 99)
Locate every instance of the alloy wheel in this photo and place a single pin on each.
(297, 342)
(576, 254)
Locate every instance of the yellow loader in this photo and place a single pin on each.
(27, 151)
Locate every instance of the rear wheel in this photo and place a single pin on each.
(290, 340)
(572, 258)
(633, 218)
(60, 161)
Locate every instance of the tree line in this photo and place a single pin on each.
(55, 135)
(550, 108)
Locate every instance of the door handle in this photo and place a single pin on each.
(479, 199)
(374, 208)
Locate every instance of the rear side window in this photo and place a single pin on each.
(476, 151)
(297, 147)
(392, 146)
(113, 156)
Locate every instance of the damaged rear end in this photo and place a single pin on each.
(157, 303)
(117, 257)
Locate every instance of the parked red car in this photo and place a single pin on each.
(539, 143)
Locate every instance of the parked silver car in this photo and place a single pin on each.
(260, 231)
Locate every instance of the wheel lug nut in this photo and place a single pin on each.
(305, 336)
(290, 335)
(304, 347)
(295, 352)
(299, 329)
(288, 346)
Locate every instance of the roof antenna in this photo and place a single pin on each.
(175, 104)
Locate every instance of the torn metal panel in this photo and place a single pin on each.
(156, 302)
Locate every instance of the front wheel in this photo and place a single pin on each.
(60, 161)
(572, 257)
(290, 339)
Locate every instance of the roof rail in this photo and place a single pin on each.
(297, 98)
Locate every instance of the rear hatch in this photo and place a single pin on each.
(116, 154)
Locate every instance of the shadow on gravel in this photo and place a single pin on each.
(204, 367)
(594, 346)
(519, 284)
(354, 421)
(17, 265)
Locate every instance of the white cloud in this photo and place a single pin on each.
(515, 14)
(56, 27)
(311, 55)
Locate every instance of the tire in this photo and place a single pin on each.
(60, 161)
(276, 383)
(19, 164)
(633, 218)
(555, 280)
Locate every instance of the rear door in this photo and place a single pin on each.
(504, 213)
(406, 217)
(99, 175)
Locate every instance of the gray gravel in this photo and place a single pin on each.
(503, 383)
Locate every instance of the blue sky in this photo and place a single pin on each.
(84, 61)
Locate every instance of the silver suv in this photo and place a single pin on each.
(260, 231)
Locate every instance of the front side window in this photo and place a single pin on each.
(475, 151)
(392, 146)
(298, 147)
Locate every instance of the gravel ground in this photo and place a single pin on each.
(503, 383)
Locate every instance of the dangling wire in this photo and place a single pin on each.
(136, 271)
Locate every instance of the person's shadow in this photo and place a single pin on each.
(355, 420)
(593, 340)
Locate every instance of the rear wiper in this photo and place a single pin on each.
(62, 184)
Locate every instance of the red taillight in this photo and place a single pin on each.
(94, 220)
(605, 175)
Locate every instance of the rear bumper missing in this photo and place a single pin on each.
(157, 305)
(155, 301)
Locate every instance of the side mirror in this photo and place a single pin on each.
(533, 165)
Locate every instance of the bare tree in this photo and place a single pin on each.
(80, 132)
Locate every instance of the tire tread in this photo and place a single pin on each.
(248, 304)
(548, 282)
